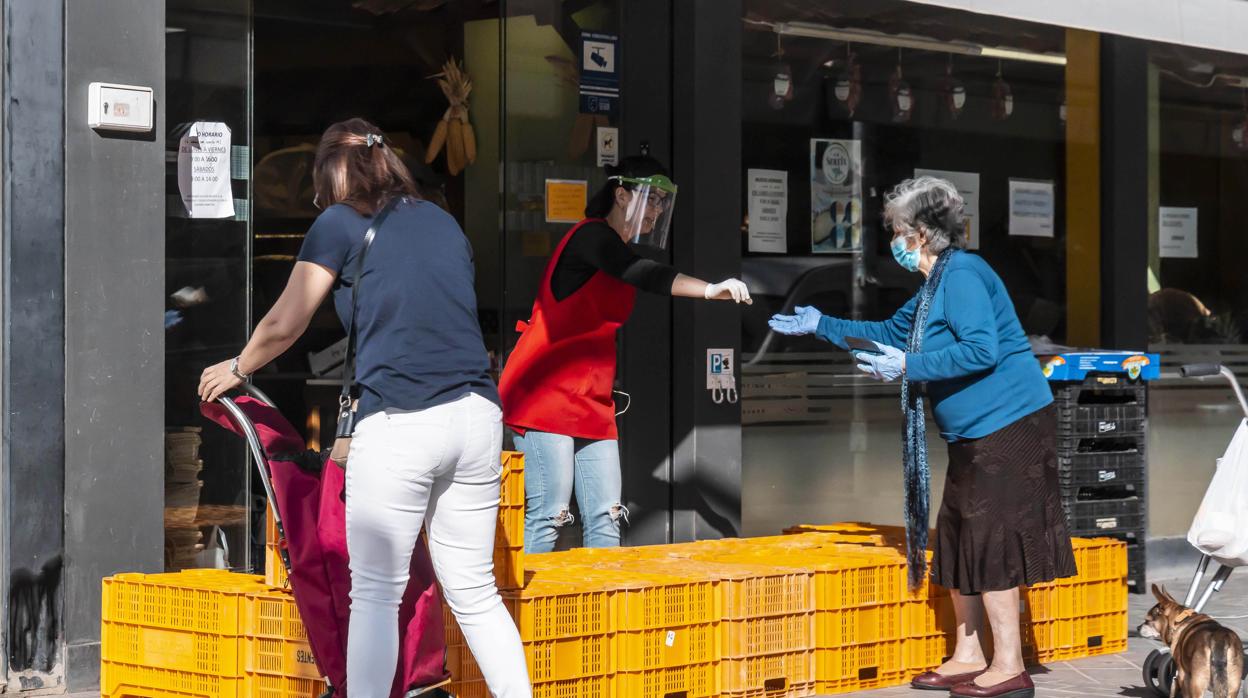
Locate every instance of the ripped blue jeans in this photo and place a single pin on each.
(555, 466)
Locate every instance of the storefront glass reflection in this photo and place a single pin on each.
(837, 110)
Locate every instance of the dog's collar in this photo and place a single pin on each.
(1186, 615)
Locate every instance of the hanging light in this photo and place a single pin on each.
(900, 95)
(953, 90)
(781, 79)
(847, 90)
(1002, 97)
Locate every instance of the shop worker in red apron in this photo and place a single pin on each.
(557, 385)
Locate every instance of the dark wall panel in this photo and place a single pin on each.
(706, 143)
(114, 337)
(34, 361)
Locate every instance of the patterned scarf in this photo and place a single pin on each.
(918, 476)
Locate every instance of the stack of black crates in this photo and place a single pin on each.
(1102, 461)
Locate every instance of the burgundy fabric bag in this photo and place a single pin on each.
(308, 493)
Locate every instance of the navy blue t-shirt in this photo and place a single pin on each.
(418, 343)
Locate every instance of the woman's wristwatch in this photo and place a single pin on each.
(234, 369)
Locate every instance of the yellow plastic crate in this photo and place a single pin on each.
(932, 616)
(205, 601)
(119, 680)
(274, 570)
(553, 610)
(750, 637)
(198, 653)
(262, 686)
(749, 590)
(1099, 559)
(644, 650)
(273, 613)
(592, 687)
(512, 490)
(856, 626)
(282, 658)
(695, 681)
(568, 658)
(642, 599)
(920, 654)
(509, 568)
(860, 667)
(768, 673)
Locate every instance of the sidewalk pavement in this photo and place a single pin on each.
(1112, 675)
(1120, 674)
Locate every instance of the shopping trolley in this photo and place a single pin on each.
(1159, 670)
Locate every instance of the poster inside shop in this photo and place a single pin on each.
(204, 170)
(1031, 208)
(835, 196)
(600, 73)
(1177, 227)
(565, 200)
(967, 184)
(768, 210)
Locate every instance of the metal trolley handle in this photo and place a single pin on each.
(257, 452)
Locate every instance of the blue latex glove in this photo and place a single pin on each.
(806, 321)
(886, 367)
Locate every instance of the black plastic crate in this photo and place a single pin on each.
(1098, 477)
(1102, 422)
(1103, 491)
(1097, 391)
(1085, 449)
(1098, 518)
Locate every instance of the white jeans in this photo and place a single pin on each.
(439, 467)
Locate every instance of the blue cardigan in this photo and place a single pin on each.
(976, 360)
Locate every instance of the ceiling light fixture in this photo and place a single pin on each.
(910, 41)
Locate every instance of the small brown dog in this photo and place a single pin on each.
(1206, 654)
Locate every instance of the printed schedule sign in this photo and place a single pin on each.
(768, 210)
(204, 170)
(1031, 208)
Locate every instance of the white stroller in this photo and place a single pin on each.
(1219, 530)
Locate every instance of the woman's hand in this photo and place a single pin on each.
(728, 290)
(887, 366)
(806, 321)
(217, 380)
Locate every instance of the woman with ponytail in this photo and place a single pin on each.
(557, 386)
(428, 428)
(1001, 522)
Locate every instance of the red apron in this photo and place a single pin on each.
(560, 375)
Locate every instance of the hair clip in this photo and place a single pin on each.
(373, 139)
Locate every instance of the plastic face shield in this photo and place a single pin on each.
(648, 217)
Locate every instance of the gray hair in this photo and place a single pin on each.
(931, 206)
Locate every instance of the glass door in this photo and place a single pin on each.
(208, 494)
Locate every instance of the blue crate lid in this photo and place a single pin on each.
(1076, 365)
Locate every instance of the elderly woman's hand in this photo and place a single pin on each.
(886, 366)
(805, 321)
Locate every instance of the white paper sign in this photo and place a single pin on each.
(1031, 208)
(204, 170)
(1178, 232)
(967, 184)
(608, 146)
(768, 210)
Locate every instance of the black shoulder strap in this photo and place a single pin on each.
(348, 363)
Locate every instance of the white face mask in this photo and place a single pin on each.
(959, 97)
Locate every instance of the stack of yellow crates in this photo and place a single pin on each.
(821, 610)
(204, 633)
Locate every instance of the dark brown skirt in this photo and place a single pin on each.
(1001, 522)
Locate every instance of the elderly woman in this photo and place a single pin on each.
(959, 342)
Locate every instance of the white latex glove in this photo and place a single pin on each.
(736, 287)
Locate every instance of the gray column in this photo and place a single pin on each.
(114, 312)
(706, 99)
(34, 361)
